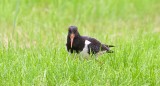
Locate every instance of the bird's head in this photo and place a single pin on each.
(73, 33)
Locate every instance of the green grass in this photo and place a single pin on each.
(33, 36)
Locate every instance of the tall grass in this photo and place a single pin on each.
(33, 36)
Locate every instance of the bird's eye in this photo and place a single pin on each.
(75, 31)
(69, 31)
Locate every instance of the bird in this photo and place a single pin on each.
(83, 44)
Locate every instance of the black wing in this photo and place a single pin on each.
(95, 45)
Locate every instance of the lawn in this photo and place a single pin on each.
(33, 37)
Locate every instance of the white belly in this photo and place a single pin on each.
(84, 52)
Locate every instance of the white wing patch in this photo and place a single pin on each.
(84, 52)
(87, 42)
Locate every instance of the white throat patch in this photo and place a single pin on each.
(84, 52)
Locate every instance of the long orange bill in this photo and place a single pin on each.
(72, 38)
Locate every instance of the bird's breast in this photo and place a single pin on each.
(85, 50)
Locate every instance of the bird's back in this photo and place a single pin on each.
(95, 46)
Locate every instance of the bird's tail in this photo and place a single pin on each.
(109, 45)
(110, 51)
(107, 48)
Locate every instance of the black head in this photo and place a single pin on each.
(73, 33)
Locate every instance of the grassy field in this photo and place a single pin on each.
(33, 36)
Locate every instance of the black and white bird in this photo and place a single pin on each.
(84, 44)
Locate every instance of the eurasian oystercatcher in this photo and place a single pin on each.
(84, 44)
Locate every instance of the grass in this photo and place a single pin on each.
(33, 36)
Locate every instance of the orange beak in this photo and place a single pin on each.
(72, 38)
